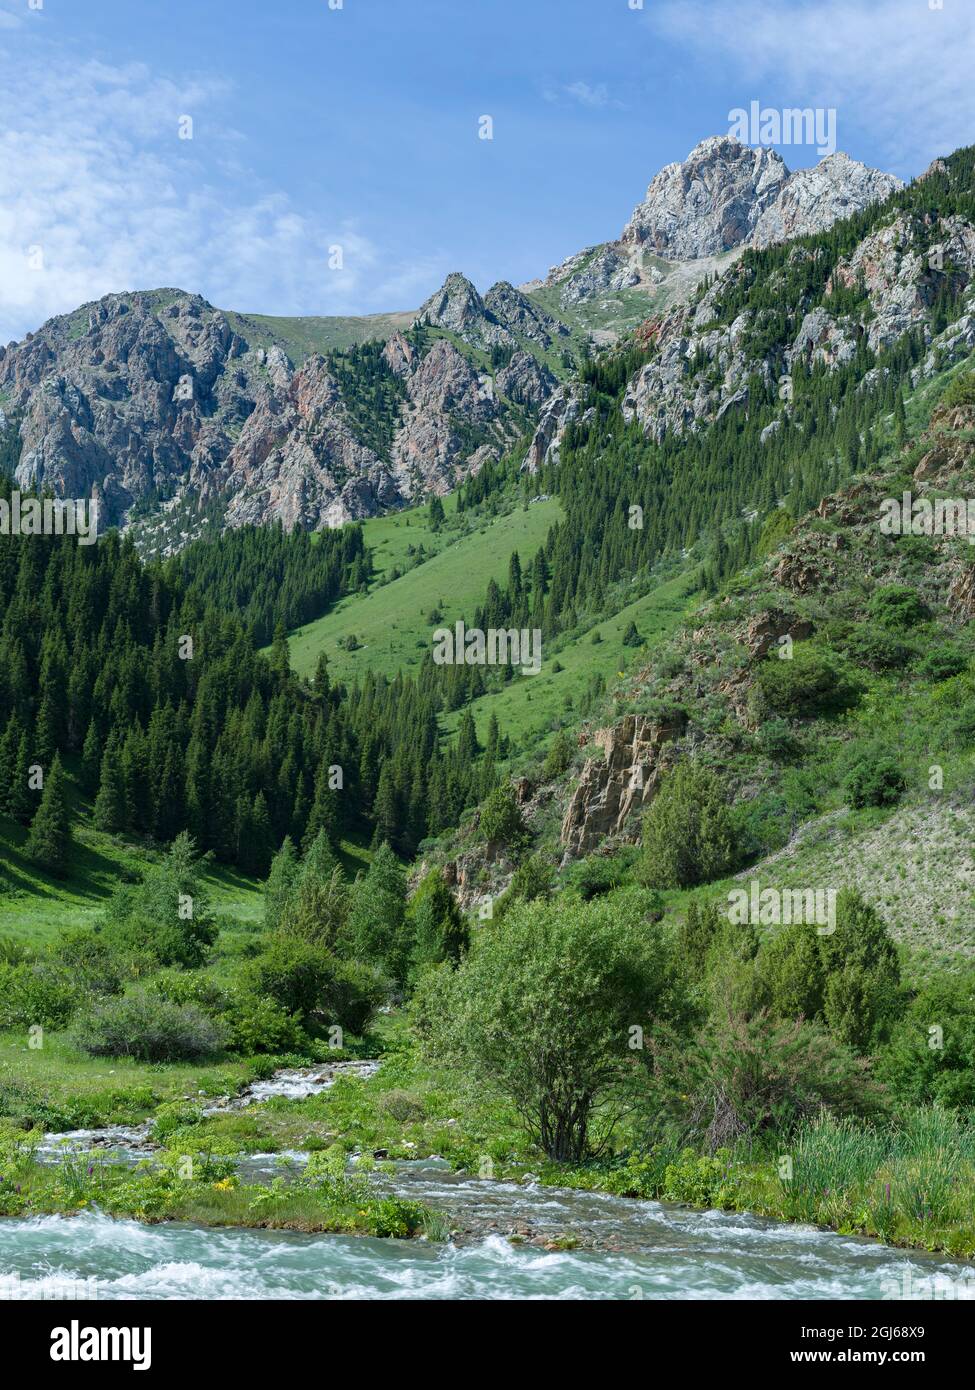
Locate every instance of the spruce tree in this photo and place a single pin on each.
(50, 831)
(110, 810)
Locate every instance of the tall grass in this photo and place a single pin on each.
(915, 1179)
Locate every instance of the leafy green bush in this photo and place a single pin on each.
(37, 993)
(815, 682)
(597, 874)
(777, 740)
(296, 974)
(256, 1025)
(188, 987)
(357, 991)
(314, 986)
(875, 779)
(698, 1179)
(931, 1053)
(897, 606)
(847, 977)
(91, 961)
(880, 648)
(944, 662)
(687, 832)
(501, 821)
(148, 1028)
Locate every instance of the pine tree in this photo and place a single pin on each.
(110, 809)
(50, 831)
(91, 757)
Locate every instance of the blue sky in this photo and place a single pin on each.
(358, 126)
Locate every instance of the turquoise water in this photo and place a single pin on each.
(675, 1254)
(625, 1249)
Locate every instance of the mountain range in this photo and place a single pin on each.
(156, 403)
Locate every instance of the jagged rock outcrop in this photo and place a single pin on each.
(619, 782)
(559, 411)
(709, 203)
(132, 395)
(503, 318)
(727, 194)
(811, 200)
(153, 396)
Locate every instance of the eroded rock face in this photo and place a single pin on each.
(622, 780)
(131, 395)
(709, 203)
(561, 408)
(503, 318)
(153, 396)
(811, 200)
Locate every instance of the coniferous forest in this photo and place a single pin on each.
(496, 777)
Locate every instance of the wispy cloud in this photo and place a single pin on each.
(591, 94)
(98, 193)
(895, 68)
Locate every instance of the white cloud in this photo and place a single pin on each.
(895, 69)
(591, 94)
(588, 95)
(99, 194)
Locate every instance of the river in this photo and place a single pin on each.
(626, 1249)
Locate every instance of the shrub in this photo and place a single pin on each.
(862, 997)
(297, 975)
(897, 606)
(777, 740)
(358, 990)
(944, 662)
(814, 682)
(542, 1007)
(931, 1053)
(188, 987)
(90, 960)
(743, 1078)
(314, 986)
(687, 835)
(880, 648)
(875, 779)
(501, 821)
(533, 879)
(597, 874)
(148, 1028)
(36, 993)
(404, 1106)
(255, 1025)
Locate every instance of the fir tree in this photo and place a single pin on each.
(50, 830)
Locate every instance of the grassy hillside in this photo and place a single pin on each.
(303, 337)
(391, 621)
(36, 908)
(531, 706)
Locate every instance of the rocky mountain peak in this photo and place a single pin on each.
(727, 194)
(709, 203)
(813, 199)
(456, 306)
